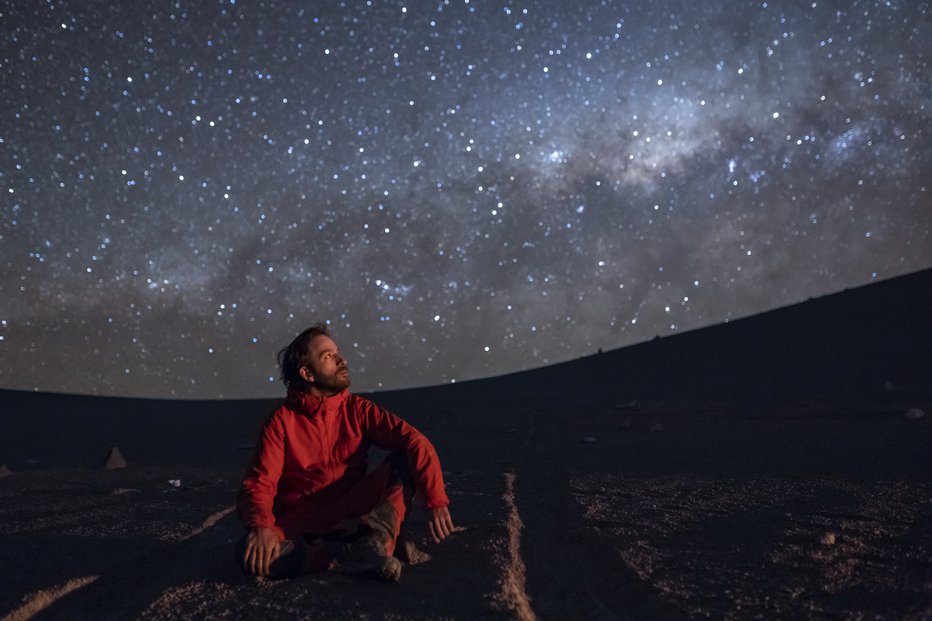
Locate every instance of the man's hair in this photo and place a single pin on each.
(296, 355)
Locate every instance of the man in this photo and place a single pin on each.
(307, 500)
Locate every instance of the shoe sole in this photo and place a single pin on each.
(386, 568)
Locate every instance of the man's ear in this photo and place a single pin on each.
(306, 375)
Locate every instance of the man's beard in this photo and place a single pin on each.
(336, 382)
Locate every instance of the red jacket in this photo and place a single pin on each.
(313, 449)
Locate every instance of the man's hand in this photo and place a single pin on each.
(261, 550)
(440, 523)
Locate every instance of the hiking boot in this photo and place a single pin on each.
(367, 557)
(290, 561)
(374, 566)
(409, 554)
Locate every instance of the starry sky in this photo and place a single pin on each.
(461, 188)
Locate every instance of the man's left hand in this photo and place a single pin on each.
(440, 523)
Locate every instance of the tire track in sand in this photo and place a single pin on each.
(40, 600)
(209, 522)
(127, 589)
(513, 594)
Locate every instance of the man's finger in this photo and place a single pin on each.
(442, 527)
(267, 560)
(433, 532)
(260, 561)
(444, 522)
(253, 555)
(252, 558)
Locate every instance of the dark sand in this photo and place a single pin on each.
(766, 468)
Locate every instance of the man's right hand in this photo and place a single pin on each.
(440, 524)
(261, 550)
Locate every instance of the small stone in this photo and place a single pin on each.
(625, 424)
(174, 482)
(588, 439)
(914, 414)
(828, 539)
(657, 427)
(4, 471)
(115, 460)
(634, 404)
(888, 385)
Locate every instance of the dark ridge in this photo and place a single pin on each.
(872, 343)
(861, 343)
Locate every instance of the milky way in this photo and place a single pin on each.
(461, 188)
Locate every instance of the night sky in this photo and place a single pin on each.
(461, 188)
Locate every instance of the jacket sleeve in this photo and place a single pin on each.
(260, 483)
(390, 432)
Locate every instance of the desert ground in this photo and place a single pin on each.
(775, 467)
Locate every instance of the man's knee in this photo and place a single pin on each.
(384, 519)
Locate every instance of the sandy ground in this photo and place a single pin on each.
(630, 485)
(812, 512)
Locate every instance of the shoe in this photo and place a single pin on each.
(366, 557)
(409, 554)
(290, 561)
(386, 568)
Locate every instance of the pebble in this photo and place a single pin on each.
(4, 471)
(657, 427)
(914, 413)
(588, 439)
(828, 539)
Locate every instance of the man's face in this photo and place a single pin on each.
(327, 371)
